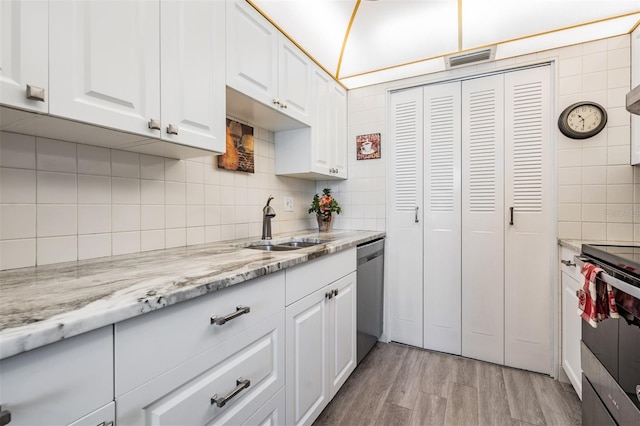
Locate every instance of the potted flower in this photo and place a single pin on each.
(323, 205)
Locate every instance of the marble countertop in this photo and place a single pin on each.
(576, 245)
(49, 303)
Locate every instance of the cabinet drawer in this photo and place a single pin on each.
(183, 395)
(270, 414)
(61, 382)
(306, 278)
(152, 344)
(567, 254)
(101, 416)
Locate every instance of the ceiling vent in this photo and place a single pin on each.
(470, 58)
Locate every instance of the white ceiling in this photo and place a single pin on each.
(391, 39)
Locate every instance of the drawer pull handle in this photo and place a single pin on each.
(240, 310)
(240, 386)
(329, 295)
(35, 93)
(568, 263)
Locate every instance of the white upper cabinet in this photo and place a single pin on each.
(264, 65)
(104, 63)
(338, 129)
(24, 62)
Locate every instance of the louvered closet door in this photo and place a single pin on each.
(483, 219)
(405, 222)
(528, 242)
(442, 249)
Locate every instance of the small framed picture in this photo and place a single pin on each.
(368, 146)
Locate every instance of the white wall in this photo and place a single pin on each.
(598, 191)
(62, 201)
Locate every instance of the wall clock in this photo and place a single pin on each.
(582, 120)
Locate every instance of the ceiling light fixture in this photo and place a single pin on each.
(469, 58)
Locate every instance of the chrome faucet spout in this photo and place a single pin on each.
(267, 213)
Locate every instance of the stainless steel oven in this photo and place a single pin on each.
(610, 353)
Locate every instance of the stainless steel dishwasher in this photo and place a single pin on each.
(370, 279)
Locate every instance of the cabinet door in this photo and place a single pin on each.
(571, 332)
(307, 354)
(405, 218)
(343, 323)
(294, 81)
(104, 63)
(338, 108)
(24, 56)
(193, 80)
(483, 219)
(101, 416)
(320, 129)
(528, 191)
(252, 53)
(442, 250)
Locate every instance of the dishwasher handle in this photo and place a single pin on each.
(365, 259)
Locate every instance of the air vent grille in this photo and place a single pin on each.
(469, 58)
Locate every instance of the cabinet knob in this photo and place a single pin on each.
(568, 263)
(335, 292)
(276, 101)
(35, 93)
(283, 105)
(172, 129)
(329, 295)
(154, 124)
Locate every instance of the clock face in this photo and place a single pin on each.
(582, 120)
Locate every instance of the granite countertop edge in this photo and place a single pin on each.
(115, 289)
(576, 245)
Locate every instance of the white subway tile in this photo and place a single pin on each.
(211, 174)
(212, 195)
(594, 231)
(195, 235)
(94, 218)
(595, 81)
(151, 191)
(212, 234)
(570, 158)
(17, 254)
(94, 189)
(17, 151)
(175, 193)
(594, 47)
(17, 221)
(212, 215)
(152, 217)
(125, 191)
(620, 232)
(174, 170)
(194, 172)
(595, 175)
(175, 216)
(93, 246)
(55, 156)
(618, 58)
(617, 97)
(594, 212)
(228, 232)
(152, 240)
(619, 155)
(618, 116)
(195, 193)
(594, 156)
(570, 230)
(151, 167)
(54, 220)
(242, 229)
(125, 242)
(619, 174)
(594, 194)
(620, 213)
(17, 186)
(176, 237)
(618, 135)
(568, 194)
(57, 188)
(619, 77)
(570, 212)
(125, 218)
(571, 85)
(620, 194)
(94, 160)
(195, 216)
(57, 249)
(125, 164)
(593, 63)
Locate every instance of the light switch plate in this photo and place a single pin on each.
(288, 204)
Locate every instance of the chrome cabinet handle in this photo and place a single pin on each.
(154, 124)
(172, 129)
(335, 292)
(240, 310)
(35, 93)
(329, 295)
(283, 105)
(511, 215)
(567, 262)
(416, 219)
(240, 386)
(276, 101)
(5, 417)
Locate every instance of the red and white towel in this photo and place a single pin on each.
(596, 301)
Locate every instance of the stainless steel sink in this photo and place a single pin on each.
(273, 247)
(286, 245)
(299, 244)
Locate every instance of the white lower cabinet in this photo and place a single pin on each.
(104, 416)
(571, 327)
(61, 383)
(321, 348)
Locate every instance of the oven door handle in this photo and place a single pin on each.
(613, 281)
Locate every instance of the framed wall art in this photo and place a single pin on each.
(368, 146)
(239, 155)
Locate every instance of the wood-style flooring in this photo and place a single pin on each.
(401, 385)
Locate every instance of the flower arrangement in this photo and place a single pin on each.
(323, 205)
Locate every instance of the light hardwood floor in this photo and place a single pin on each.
(401, 385)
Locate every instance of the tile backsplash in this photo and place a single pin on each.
(62, 201)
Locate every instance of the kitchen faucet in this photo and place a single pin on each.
(267, 214)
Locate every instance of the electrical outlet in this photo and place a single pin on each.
(288, 204)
